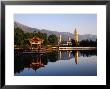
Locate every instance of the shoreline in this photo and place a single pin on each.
(46, 50)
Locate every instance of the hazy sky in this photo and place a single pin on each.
(85, 23)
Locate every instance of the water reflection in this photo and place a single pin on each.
(76, 57)
(37, 61)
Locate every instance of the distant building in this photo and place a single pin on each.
(69, 41)
(76, 36)
(59, 39)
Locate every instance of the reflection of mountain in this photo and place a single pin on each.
(48, 32)
(36, 61)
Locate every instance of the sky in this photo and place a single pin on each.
(84, 23)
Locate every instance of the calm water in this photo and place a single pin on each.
(57, 63)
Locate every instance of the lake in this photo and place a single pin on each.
(56, 63)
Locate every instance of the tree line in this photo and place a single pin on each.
(84, 43)
(21, 38)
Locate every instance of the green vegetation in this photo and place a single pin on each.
(84, 43)
(53, 40)
(88, 43)
(18, 37)
(21, 39)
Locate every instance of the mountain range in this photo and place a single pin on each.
(48, 32)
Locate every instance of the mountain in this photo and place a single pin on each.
(48, 32)
(24, 27)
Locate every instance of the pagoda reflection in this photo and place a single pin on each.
(37, 63)
(76, 56)
(68, 55)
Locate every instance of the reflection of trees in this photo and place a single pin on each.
(21, 62)
(52, 56)
(88, 53)
(83, 53)
(34, 61)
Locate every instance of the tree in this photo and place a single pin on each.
(28, 35)
(53, 39)
(88, 43)
(74, 44)
(18, 37)
(34, 33)
(45, 39)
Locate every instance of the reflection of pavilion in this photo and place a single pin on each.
(36, 63)
(69, 55)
